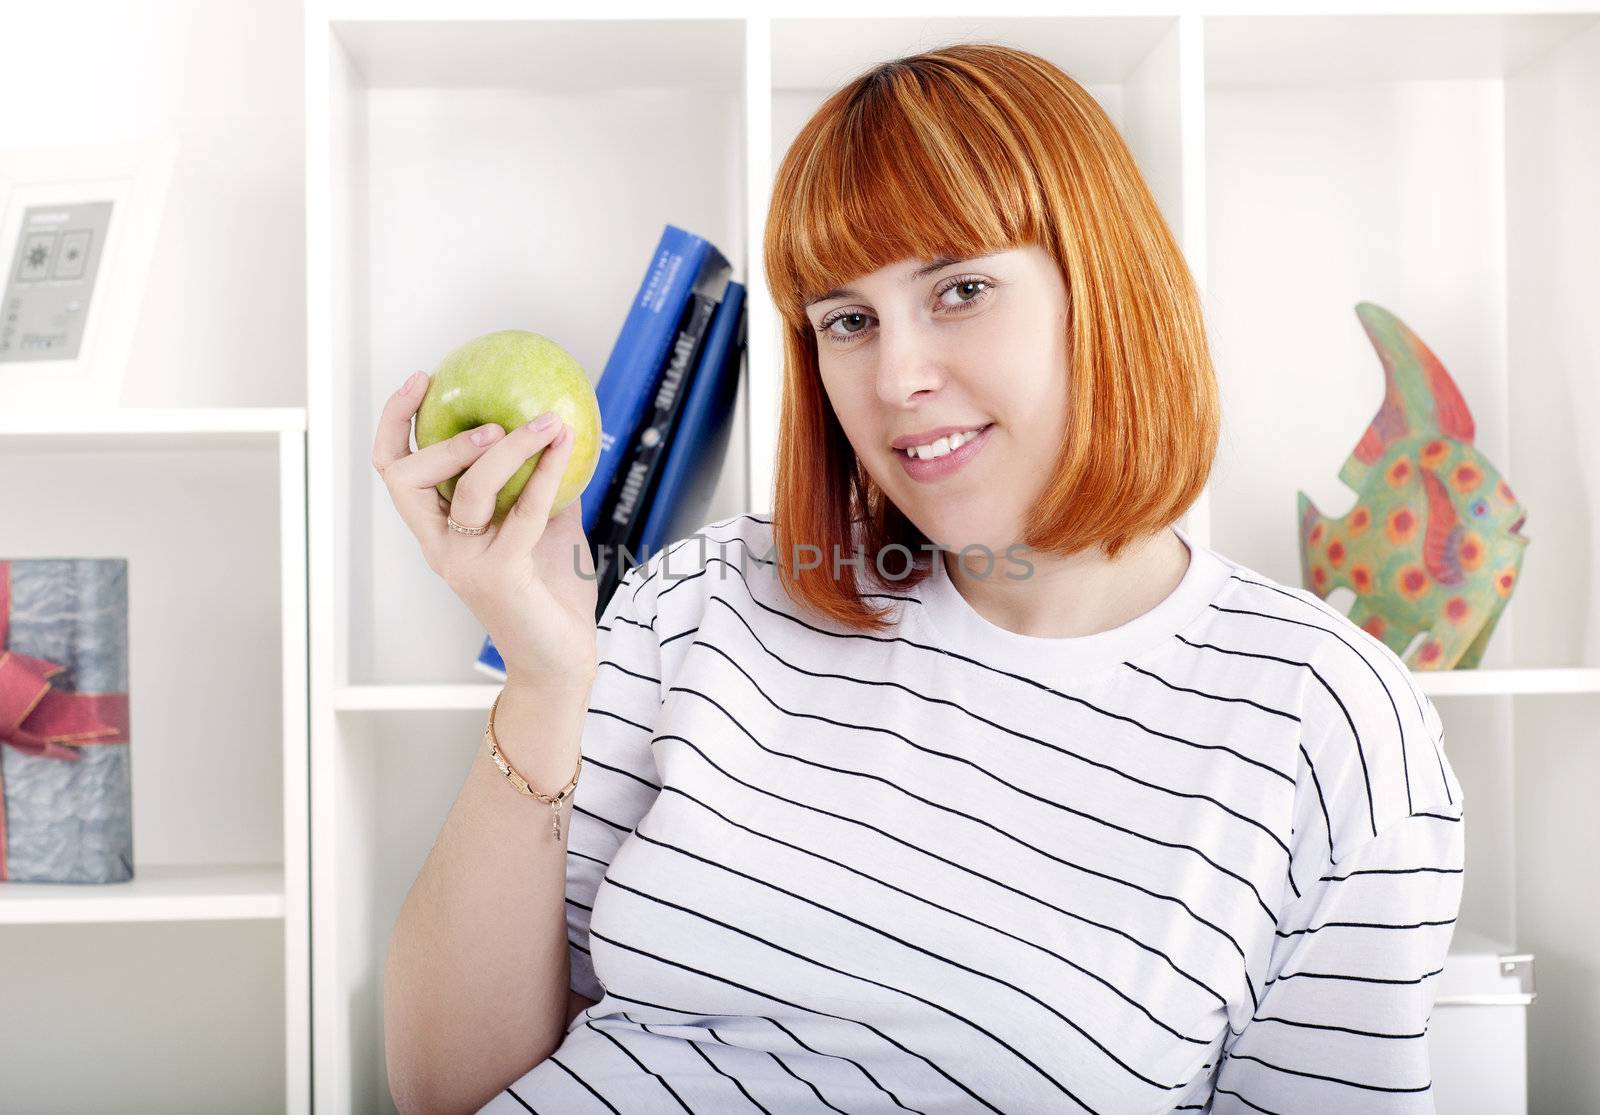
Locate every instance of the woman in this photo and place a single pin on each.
(965, 780)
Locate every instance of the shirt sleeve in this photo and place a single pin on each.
(1342, 1022)
(619, 781)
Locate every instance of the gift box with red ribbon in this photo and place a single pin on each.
(66, 800)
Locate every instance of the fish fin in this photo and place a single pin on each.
(1418, 396)
(1441, 545)
(1309, 517)
(1388, 425)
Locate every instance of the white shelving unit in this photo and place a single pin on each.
(481, 165)
(191, 980)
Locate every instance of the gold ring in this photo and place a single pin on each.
(459, 529)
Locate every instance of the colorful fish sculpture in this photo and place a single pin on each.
(1433, 545)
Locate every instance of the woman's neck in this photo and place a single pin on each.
(1083, 594)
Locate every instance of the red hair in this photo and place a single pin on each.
(963, 151)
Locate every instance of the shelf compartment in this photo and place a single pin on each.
(1442, 167)
(144, 1016)
(464, 192)
(208, 507)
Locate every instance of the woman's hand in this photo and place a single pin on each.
(529, 580)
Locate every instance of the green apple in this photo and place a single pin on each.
(510, 378)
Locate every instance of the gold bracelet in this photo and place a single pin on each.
(492, 744)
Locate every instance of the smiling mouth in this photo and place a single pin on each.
(967, 434)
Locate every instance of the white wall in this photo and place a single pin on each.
(223, 318)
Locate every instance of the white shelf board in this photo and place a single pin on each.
(1496, 683)
(1435, 683)
(149, 428)
(161, 892)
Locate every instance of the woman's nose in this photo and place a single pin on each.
(908, 363)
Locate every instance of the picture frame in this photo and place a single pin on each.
(78, 229)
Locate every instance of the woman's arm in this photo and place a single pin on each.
(1343, 1017)
(477, 969)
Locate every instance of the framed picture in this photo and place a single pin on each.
(77, 230)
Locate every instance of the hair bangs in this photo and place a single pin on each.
(904, 169)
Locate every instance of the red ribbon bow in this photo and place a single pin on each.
(39, 719)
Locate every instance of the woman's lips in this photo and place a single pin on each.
(939, 468)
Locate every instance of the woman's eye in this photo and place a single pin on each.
(827, 327)
(963, 287)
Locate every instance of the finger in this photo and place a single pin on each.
(525, 524)
(512, 457)
(568, 524)
(393, 438)
(413, 481)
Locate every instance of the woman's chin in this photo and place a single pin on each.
(952, 520)
(952, 531)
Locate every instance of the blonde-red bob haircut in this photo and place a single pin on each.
(963, 151)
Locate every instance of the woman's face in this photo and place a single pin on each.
(969, 344)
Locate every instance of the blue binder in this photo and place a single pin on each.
(682, 263)
(694, 459)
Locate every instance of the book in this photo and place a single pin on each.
(682, 264)
(630, 491)
(648, 417)
(681, 498)
(489, 662)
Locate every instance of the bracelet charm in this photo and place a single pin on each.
(492, 745)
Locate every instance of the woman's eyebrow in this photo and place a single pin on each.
(928, 269)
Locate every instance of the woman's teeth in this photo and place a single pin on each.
(943, 445)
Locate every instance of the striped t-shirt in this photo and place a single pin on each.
(1209, 860)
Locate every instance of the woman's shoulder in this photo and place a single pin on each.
(729, 542)
(1371, 742)
(1274, 620)
(680, 578)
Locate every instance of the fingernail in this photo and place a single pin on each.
(413, 383)
(483, 435)
(544, 421)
